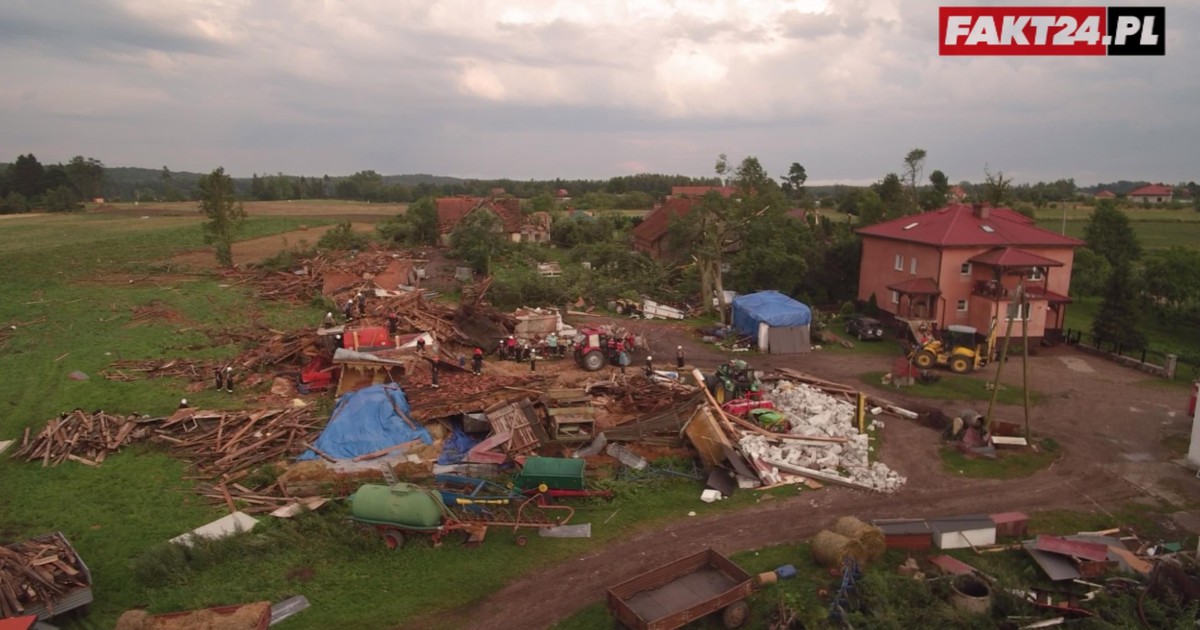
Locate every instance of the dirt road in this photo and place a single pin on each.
(1099, 412)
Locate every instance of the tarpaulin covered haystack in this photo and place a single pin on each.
(367, 421)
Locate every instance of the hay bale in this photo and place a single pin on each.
(869, 536)
(831, 550)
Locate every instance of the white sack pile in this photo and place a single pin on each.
(811, 412)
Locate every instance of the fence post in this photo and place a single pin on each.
(1143, 356)
(1169, 368)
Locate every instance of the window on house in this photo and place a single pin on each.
(895, 297)
(962, 306)
(1012, 311)
(912, 267)
(899, 262)
(965, 269)
(1037, 274)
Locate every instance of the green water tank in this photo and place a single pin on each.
(402, 504)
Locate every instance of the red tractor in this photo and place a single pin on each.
(595, 348)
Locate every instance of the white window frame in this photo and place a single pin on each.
(965, 269)
(962, 306)
(895, 297)
(899, 265)
(1009, 310)
(1036, 274)
(912, 266)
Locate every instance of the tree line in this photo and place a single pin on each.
(27, 184)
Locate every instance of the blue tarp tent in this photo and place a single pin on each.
(366, 421)
(786, 321)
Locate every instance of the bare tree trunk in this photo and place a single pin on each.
(719, 287)
(703, 265)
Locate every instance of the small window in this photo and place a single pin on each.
(1037, 274)
(987, 228)
(895, 297)
(899, 262)
(912, 267)
(911, 225)
(1012, 310)
(962, 306)
(965, 269)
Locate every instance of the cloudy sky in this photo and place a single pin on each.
(579, 88)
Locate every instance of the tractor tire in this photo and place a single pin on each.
(960, 365)
(393, 538)
(735, 614)
(593, 360)
(720, 394)
(925, 359)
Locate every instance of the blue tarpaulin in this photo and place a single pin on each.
(455, 447)
(771, 307)
(365, 421)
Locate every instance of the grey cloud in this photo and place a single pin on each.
(77, 28)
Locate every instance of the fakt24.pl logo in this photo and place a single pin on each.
(1044, 30)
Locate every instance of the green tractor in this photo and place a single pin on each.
(734, 379)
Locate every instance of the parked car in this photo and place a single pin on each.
(865, 328)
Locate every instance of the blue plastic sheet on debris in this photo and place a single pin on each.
(455, 447)
(365, 421)
(770, 307)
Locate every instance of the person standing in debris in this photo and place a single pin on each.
(229, 380)
(393, 324)
(502, 349)
(552, 344)
(679, 357)
(421, 345)
(462, 361)
(533, 361)
(328, 323)
(362, 304)
(477, 361)
(512, 347)
(623, 361)
(220, 379)
(183, 404)
(649, 366)
(348, 309)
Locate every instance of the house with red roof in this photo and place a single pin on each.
(961, 265)
(515, 225)
(1105, 194)
(650, 236)
(956, 194)
(1151, 193)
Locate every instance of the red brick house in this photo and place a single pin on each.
(1151, 193)
(650, 236)
(960, 264)
(516, 226)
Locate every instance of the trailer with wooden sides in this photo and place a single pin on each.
(50, 578)
(682, 591)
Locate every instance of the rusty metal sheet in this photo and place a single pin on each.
(1075, 548)
(1056, 567)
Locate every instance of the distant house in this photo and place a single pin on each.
(650, 236)
(960, 265)
(562, 194)
(699, 191)
(956, 194)
(1151, 193)
(515, 226)
(1105, 194)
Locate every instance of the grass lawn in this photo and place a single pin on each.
(1161, 336)
(1010, 463)
(1153, 234)
(961, 387)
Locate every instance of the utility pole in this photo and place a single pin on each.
(1018, 298)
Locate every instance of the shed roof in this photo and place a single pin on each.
(1013, 257)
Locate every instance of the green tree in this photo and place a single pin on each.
(1172, 278)
(476, 240)
(541, 203)
(170, 192)
(1109, 233)
(793, 184)
(225, 214)
(27, 176)
(86, 176)
(14, 203)
(893, 196)
(60, 199)
(914, 168)
(938, 192)
(1117, 320)
(772, 255)
(997, 190)
(1089, 273)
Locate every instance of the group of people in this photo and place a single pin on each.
(512, 349)
(357, 303)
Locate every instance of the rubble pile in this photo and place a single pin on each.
(129, 369)
(813, 413)
(638, 394)
(80, 437)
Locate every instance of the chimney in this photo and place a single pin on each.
(980, 210)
